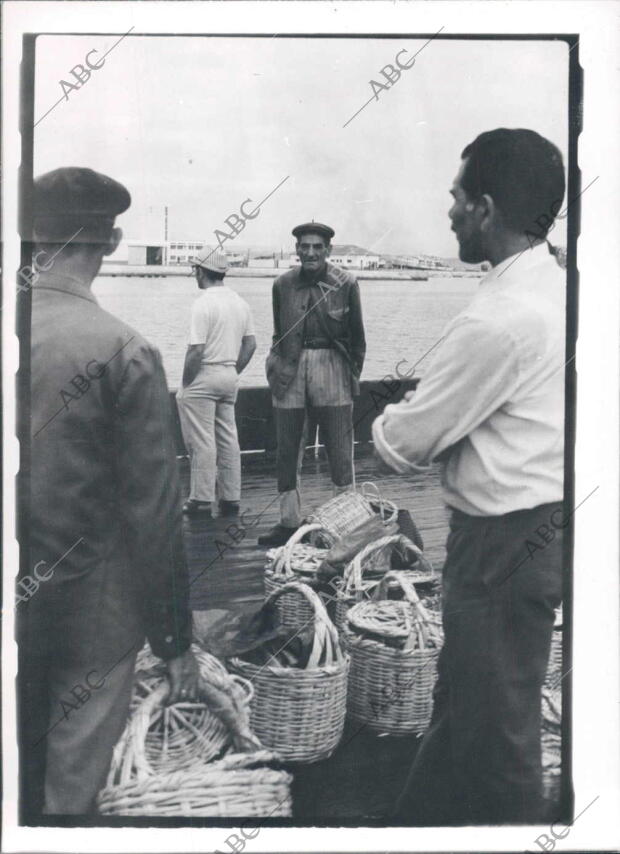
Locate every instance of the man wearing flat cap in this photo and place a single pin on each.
(313, 367)
(221, 344)
(105, 563)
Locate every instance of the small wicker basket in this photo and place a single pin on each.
(300, 713)
(345, 511)
(295, 561)
(390, 688)
(362, 575)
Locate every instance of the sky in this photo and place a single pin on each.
(201, 124)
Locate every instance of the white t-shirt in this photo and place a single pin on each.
(220, 319)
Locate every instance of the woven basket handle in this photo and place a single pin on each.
(282, 564)
(325, 642)
(246, 686)
(381, 590)
(410, 546)
(138, 729)
(422, 618)
(353, 572)
(371, 492)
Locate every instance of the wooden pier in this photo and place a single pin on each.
(360, 782)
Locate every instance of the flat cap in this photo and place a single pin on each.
(75, 191)
(210, 259)
(317, 227)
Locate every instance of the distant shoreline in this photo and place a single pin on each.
(161, 272)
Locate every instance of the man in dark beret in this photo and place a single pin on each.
(106, 564)
(313, 367)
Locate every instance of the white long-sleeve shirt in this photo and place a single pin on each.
(493, 396)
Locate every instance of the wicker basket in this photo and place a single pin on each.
(239, 785)
(345, 511)
(300, 713)
(554, 676)
(356, 587)
(161, 764)
(390, 689)
(179, 735)
(551, 740)
(295, 561)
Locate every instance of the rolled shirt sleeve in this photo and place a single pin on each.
(475, 370)
(150, 503)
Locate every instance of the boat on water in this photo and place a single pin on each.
(360, 782)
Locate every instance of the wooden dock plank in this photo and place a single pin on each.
(226, 564)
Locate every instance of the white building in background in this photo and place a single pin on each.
(180, 252)
(350, 261)
(355, 262)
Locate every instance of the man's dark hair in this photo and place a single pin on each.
(521, 171)
(212, 275)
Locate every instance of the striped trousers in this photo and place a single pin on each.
(321, 392)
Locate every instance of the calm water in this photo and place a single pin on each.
(402, 319)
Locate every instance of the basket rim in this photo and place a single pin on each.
(282, 672)
(371, 645)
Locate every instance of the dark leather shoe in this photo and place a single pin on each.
(197, 508)
(229, 508)
(278, 535)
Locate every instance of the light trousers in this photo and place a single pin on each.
(321, 388)
(207, 414)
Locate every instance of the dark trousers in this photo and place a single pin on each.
(70, 716)
(480, 760)
(335, 424)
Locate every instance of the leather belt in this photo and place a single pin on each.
(317, 344)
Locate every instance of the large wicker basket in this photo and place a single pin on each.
(177, 736)
(363, 573)
(390, 688)
(295, 561)
(240, 785)
(300, 713)
(161, 764)
(345, 511)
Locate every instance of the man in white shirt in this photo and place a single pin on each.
(221, 344)
(491, 408)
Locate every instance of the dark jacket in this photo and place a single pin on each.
(105, 511)
(341, 311)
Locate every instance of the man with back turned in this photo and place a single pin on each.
(491, 408)
(105, 526)
(313, 368)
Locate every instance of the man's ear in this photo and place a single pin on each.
(115, 239)
(487, 212)
(329, 249)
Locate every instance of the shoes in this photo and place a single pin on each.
(278, 535)
(229, 508)
(197, 508)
